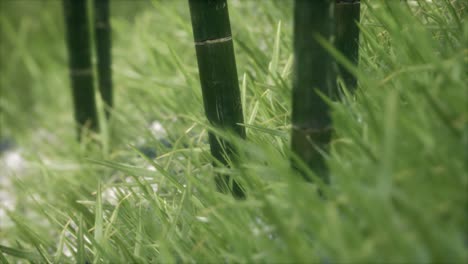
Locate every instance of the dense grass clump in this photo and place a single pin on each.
(142, 189)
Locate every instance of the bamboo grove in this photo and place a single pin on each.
(315, 73)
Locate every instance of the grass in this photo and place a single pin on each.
(397, 160)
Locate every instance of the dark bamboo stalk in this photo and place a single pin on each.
(81, 72)
(218, 77)
(103, 51)
(311, 119)
(347, 16)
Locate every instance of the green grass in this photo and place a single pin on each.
(398, 159)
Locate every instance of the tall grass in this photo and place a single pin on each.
(397, 161)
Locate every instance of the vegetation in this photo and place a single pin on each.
(311, 119)
(218, 78)
(397, 159)
(346, 31)
(102, 39)
(81, 71)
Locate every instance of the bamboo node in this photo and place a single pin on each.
(101, 25)
(348, 2)
(81, 72)
(213, 41)
(312, 130)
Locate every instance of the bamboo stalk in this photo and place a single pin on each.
(81, 72)
(347, 15)
(218, 77)
(103, 51)
(311, 121)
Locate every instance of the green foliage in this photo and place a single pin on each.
(397, 162)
